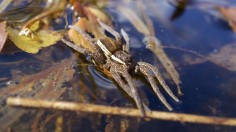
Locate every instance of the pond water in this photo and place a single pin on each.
(208, 88)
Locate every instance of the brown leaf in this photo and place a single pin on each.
(3, 34)
(230, 16)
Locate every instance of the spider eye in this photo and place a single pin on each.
(110, 44)
(123, 56)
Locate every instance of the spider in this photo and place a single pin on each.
(113, 56)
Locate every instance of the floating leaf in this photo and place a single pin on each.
(43, 38)
(3, 34)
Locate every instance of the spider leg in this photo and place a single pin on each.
(153, 44)
(120, 70)
(159, 78)
(145, 69)
(155, 87)
(76, 47)
(90, 40)
(84, 34)
(126, 37)
(111, 31)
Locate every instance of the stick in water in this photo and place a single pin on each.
(92, 108)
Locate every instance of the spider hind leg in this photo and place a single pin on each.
(118, 71)
(147, 69)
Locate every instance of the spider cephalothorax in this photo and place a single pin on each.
(114, 57)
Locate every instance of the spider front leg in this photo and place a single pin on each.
(84, 34)
(148, 70)
(117, 35)
(76, 47)
(126, 37)
(111, 31)
(118, 71)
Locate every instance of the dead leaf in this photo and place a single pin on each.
(230, 16)
(3, 34)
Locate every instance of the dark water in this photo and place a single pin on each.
(208, 88)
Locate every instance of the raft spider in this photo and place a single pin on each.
(113, 56)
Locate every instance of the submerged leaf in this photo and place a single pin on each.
(47, 84)
(3, 34)
(226, 57)
(28, 44)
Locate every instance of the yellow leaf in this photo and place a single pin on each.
(30, 45)
(35, 26)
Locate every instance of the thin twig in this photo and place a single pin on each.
(70, 106)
